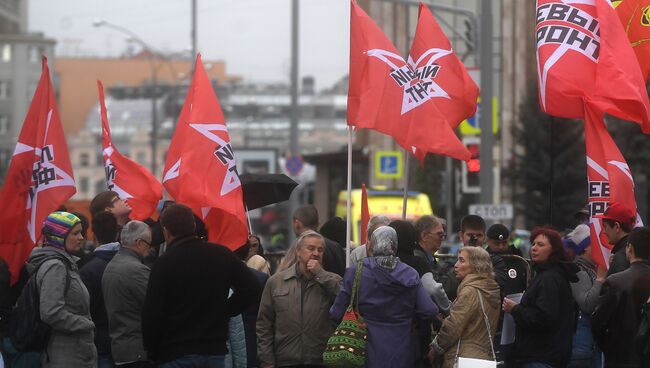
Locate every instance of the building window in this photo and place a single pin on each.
(100, 186)
(5, 53)
(31, 88)
(4, 124)
(83, 185)
(35, 54)
(84, 160)
(100, 159)
(5, 89)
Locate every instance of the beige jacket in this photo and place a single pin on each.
(466, 321)
(292, 328)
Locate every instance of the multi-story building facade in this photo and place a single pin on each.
(20, 70)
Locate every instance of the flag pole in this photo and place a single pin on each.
(248, 217)
(348, 209)
(407, 162)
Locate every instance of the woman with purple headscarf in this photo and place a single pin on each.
(64, 300)
(391, 297)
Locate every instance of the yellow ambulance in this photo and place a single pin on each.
(382, 202)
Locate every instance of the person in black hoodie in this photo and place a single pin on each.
(187, 308)
(104, 225)
(546, 315)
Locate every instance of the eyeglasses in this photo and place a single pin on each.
(440, 234)
(144, 241)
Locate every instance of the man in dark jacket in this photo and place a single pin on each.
(187, 309)
(618, 221)
(498, 237)
(618, 313)
(104, 225)
(306, 218)
(124, 286)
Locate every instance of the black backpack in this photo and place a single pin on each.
(26, 330)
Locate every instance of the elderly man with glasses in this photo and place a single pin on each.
(124, 286)
(430, 234)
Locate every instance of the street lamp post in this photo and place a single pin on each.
(154, 84)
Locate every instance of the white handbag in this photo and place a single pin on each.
(473, 362)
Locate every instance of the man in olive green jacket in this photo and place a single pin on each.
(293, 320)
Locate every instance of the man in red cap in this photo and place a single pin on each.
(618, 222)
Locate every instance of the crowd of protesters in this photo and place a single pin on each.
(157, 294)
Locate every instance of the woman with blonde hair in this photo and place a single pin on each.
(474, 315)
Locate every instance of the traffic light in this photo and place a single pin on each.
(471, 169)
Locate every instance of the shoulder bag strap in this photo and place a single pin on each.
(354, 299)
(487, 323)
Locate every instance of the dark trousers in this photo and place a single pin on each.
(138, 364)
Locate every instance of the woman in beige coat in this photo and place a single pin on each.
(465, 332)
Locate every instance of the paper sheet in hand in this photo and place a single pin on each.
(508, 330)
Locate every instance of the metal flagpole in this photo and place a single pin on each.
(349, 204)
(407, 163)
(248, 217)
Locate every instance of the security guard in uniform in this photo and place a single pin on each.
(518, 271)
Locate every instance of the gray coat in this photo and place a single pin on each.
(124, 285)
(71, 342)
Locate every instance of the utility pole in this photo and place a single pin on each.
(487, 137)
(193, 37)
(294, 148)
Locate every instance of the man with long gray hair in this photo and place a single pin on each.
(124, 285)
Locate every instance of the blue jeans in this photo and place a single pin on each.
(197, 361)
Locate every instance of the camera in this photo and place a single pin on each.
(473, 240)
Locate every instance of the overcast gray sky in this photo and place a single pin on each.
(252, 36)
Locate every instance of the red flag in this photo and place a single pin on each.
(635, 16)
(127, 178)
(200, 170)
(583, 55)
(447, 81)
(39, 179)
(365, 215)
(386, 95)
(610, 180)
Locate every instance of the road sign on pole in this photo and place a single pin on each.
(389, 164)
(294, 165)
(492, 211)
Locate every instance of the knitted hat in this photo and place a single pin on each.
(578, 240)
(56, 228)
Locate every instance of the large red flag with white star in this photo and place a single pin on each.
(584, 56)
(610, 180)
(39, 179)
(448, 83)
(386, 95)
(130, 180)
(200, 170)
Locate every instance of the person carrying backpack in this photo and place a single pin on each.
(63, 299)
